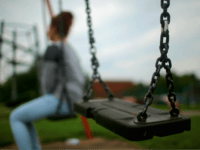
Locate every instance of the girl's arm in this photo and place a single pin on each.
(50, 8)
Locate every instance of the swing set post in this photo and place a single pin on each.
(86, 127)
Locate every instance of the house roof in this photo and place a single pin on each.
(117, 87)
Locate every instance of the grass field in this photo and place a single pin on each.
(61, 130)
(182, 107)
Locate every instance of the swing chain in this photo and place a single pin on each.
(95, 63)
(89, 23)
(162, 61)
(1, 38)
(1, 41)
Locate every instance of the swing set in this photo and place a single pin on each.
(72, 114)
(130, 120)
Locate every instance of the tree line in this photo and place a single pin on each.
(28, 87)
(182, 84)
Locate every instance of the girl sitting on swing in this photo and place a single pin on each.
(22, 117)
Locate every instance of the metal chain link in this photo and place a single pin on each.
(1, 38)
(162, 61)
(61, 22)
(95, 63)
(61, 63)
(1, 41)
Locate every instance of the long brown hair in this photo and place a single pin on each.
(67, 21)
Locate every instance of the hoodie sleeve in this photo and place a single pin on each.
(49, 69)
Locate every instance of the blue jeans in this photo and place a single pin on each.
(22, 118)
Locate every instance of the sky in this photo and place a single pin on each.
(127, 35)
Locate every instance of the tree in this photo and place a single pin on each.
(28, 87)
(181, 84)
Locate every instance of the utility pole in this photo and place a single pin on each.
(192, 96)
(14, 83)
(44, 21)
(37, 59)
(35, 30)
(1, 41)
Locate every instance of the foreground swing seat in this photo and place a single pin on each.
(120, 117)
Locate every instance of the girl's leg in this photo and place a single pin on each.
(34, 136)
(21, 120)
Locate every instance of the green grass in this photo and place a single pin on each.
(185, 140)
(182, 107)
(61, 130)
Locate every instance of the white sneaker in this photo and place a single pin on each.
(72, 141)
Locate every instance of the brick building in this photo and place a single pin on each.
(117, 87)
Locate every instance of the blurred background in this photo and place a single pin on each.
(127, 35)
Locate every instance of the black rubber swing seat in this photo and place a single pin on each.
(120, 117)
(62, 117)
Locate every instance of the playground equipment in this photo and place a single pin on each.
(72, 114)
(131, 120)
(31, 50)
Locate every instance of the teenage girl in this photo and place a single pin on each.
(22, 118)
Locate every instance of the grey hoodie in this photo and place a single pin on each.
(51, 80)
